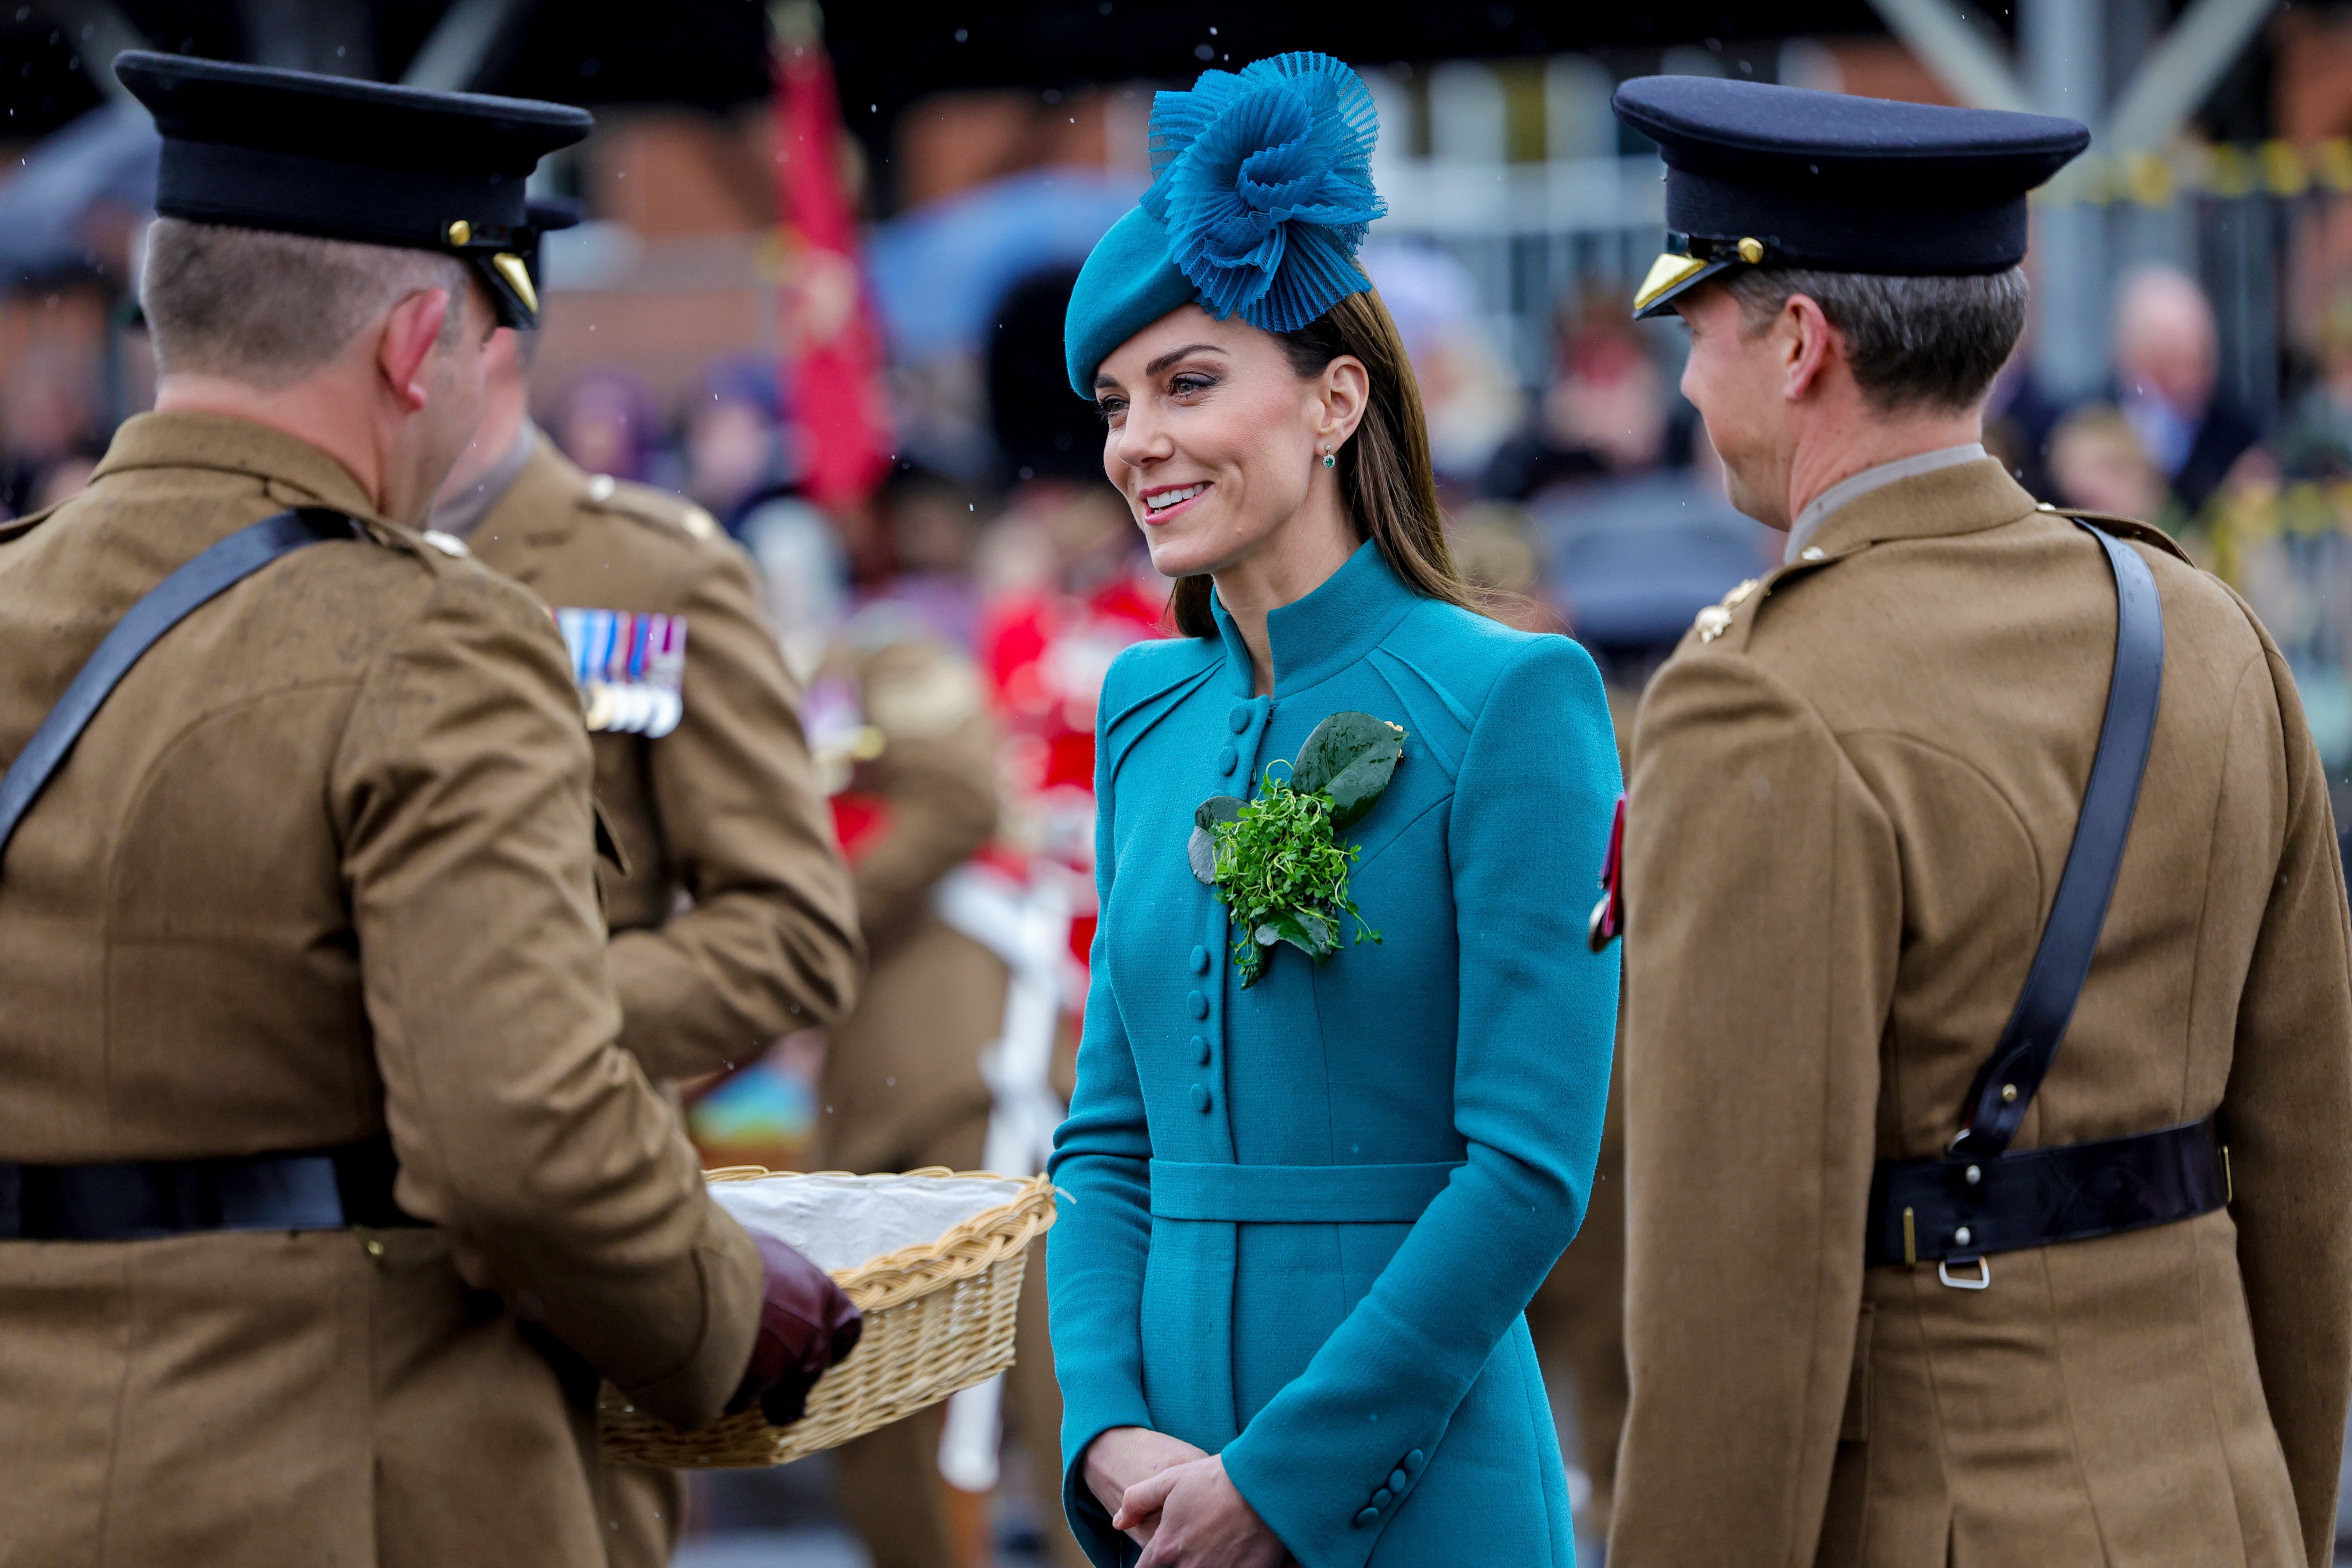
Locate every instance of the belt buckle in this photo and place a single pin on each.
(1982, 1281)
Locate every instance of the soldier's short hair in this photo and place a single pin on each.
(266, 309)
(1912, 342)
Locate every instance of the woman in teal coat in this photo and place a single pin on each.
(1311, 1181)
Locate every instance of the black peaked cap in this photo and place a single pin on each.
(257, 147)
(1783, 176)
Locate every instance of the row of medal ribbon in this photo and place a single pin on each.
(631, 667)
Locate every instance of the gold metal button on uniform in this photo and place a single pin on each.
(2009, 1094)
(461, 232)
(600, 488)
(1751, 251)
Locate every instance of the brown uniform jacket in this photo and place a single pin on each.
(733, 923)
(903, 1072)
(322, 867)
(1848, 811)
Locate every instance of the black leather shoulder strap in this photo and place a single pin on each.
(230, 562)
(2004, 1086)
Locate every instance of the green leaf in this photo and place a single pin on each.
(1202, 851)
(1216, 809)
(1338, 741)
(1360, 785)
(1309, 934)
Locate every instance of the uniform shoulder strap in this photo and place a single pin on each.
(227, 562)
(2005, 1085)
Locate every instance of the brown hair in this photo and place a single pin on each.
(1386, 481)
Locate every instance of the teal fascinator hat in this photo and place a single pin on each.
(1262, 190)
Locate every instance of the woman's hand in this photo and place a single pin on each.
(1124, 1456)
(1202, 1521)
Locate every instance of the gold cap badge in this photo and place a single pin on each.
(1665, 272)
(517, 278)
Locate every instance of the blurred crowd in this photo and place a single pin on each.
(1589, 504)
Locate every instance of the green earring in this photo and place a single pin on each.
(1329, 461)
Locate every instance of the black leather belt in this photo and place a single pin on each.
(1926, 1211)
(333, 1189)
(1979, 1198)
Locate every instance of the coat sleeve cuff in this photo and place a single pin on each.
(1323, 1522)
(1089, 1520)
(694, 1393)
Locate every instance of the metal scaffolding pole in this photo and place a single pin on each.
(2066, 57)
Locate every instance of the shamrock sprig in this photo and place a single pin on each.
(1276, 862)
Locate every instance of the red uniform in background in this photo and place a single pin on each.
(1044, 655)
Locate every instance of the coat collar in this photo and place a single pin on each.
(543, 499)
(1966, 498)
(1314, 638)
(461, 514)
(229, 445)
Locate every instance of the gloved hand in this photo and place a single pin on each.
(806, 1325)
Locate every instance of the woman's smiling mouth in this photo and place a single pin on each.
(1159, 505)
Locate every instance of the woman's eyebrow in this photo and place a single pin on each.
(1172, 356)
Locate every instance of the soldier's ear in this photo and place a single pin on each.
(1806, 343)
(410, 332)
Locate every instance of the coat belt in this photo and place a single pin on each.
(1297, 1195)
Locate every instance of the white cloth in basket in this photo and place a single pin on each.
(840, 1222)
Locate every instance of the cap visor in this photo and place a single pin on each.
(1671, 274)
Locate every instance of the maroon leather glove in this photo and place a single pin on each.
(806, 1325)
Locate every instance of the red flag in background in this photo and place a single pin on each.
(826, 321)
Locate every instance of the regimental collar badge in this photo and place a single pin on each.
(1716, 619)
(631, 666)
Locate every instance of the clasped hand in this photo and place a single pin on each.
(1177, 1503)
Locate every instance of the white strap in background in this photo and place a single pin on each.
(1027, 926)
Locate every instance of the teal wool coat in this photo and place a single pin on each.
(1302, 1221)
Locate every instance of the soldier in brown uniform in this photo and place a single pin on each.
(903, 1084)
(315, 1131)
(1921, 1272)
(730, 907)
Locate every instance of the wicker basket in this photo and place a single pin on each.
(938, 1317)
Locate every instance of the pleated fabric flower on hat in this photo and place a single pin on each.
(1264, 182)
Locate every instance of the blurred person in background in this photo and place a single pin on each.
(2315, 441)
(65, 476)
(322, 1220)
(734, 439)
(932, 526)
(1472, 401)
(1068, 583)
(2020, 419)
(1499, 553)
(730, 916)
(2097, 463)
(2168, 361)
(905, 738)
(605, 422)
(1608, 411)
(899, 716)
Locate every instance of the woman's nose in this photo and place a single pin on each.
(1141, 441)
